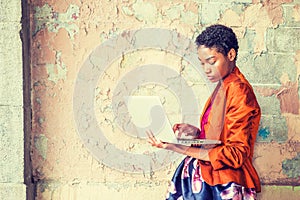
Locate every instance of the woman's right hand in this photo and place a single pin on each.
(156, 142)
(186, 130)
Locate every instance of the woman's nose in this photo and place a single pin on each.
(206, 68)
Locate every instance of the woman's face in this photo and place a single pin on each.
(215, 65)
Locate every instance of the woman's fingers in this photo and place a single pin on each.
(177, 128)
(185, 129)
(153, 141)
(181, 129)
(151, 138)
(149, 134)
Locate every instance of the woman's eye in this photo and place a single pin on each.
(212, 62)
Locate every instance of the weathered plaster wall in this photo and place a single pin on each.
(87, 55)
(11, 102)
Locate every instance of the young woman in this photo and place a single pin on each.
(231, 115)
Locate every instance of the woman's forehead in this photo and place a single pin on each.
(207, 52)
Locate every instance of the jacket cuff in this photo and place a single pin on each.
(214, 159)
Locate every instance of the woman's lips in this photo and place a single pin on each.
(210, 77)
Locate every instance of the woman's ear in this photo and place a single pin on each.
(231, 54)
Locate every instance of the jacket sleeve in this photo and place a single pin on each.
(240, 128)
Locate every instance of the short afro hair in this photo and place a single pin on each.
(220, 37)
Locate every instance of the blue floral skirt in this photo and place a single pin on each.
(187, 184)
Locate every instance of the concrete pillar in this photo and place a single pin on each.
(11, 103)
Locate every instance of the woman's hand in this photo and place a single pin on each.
(156, 142)
(195, 152)
(187, 130)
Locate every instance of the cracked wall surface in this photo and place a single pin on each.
(87, 55)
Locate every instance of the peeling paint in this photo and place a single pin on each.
(40, 143)
(45, 17)
(127, 11)
(260, 17)
(144, 11)
(297, 63)
(288, 96)
(290, 167)
(264, 133)
(174, 12)
(296, 13)
(189, 17)
(58, 71)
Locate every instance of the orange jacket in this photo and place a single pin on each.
(233, 119)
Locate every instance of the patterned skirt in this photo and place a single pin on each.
(187, 184)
